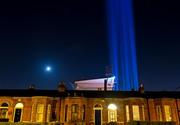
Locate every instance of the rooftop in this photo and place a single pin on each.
(88, 94)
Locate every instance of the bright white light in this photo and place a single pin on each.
(48, 68)
(112, 107)
(19, 105)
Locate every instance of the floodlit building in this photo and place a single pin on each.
(80, 107)
(95, 84)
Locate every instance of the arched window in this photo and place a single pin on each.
(4, 110)
(112, 113)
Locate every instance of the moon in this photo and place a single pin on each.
(48, 68)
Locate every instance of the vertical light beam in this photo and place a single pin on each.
(122, 43)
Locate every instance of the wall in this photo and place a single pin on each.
(58, 108)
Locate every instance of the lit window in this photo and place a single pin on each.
(112, 113)
(48, 113)
(74, 112)
(168, 114)
(127, 113)
(136, 116)
(39, 114)
(159, 112)
(4, 110)
(19, 105)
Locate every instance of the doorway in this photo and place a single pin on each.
(17, 115)
(97, 117)
(18, 112)
(98, 114)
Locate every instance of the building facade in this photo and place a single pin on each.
(88, 107)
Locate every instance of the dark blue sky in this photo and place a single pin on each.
(158, 46)
(71, 36)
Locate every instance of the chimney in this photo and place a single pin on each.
(141, 88)
(61, 87)
(105, 84)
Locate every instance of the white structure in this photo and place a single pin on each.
(95, 84)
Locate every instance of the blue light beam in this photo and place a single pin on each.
(122, 44)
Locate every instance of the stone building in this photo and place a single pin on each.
(79, 107)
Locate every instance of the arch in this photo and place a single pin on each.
(4, 104)
(112, 107)
(19, 105)
(97, 106)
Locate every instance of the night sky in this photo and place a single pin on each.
(71, 37)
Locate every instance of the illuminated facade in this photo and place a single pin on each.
(88, 107)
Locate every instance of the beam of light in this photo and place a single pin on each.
(122, 44)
